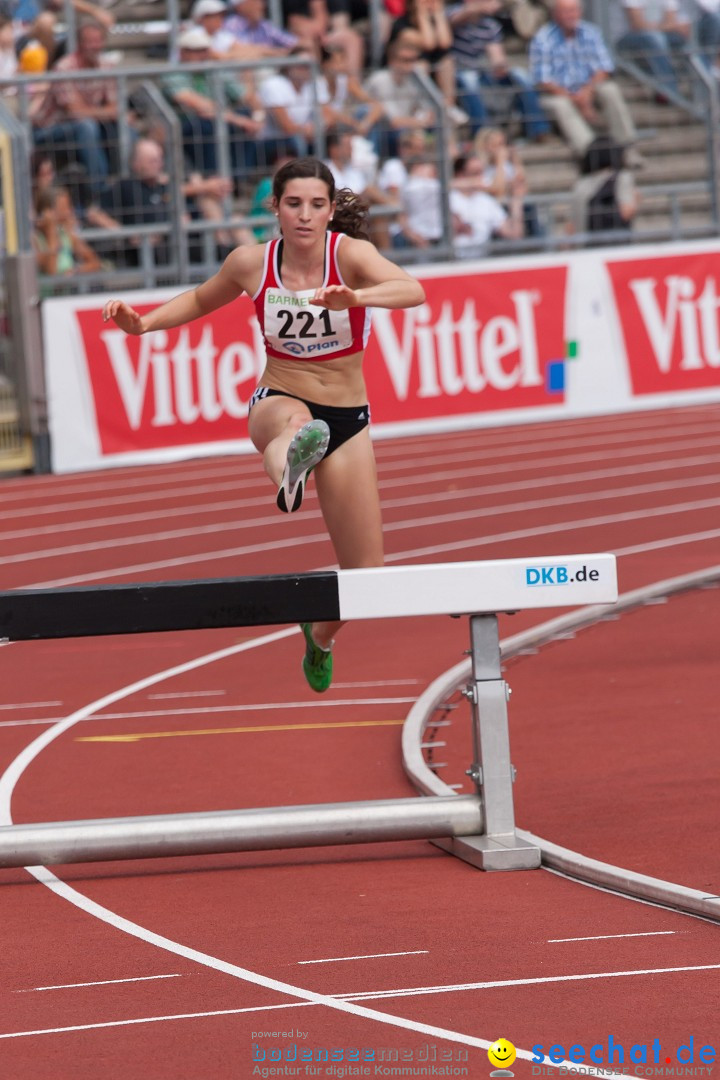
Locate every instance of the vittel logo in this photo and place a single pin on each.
(558, 575)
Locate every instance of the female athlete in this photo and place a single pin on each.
(312, 290)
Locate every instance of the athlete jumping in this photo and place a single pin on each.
(312, 289)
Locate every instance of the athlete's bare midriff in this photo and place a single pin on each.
(336, 382)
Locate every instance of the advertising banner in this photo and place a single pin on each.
(496, 342)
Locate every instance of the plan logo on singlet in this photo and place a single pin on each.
(294, 347)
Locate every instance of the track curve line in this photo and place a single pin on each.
(571, 864)
(303, 996)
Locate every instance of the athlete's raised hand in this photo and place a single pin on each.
(335, 297)
(123, 316)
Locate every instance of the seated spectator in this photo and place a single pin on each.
(293, 103)
(421, 221)
(651, 35)
(8, 56)
(707, 29)
(42, 20)
(478, 216)
(210, 16)
(524, 17)
(349, 101)
(251, 29)
(482, 65)
(413, 145)
(144, 198)
(347, 175)
(78, 120)
(571, 67)
(261, 200)
(191, 94)
(58, 247)
(313, 24)
(504, 174)
(604, 197)
(405, 104)
(424, 26)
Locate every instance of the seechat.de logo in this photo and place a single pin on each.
(558, 575)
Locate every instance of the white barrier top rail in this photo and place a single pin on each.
(380, 592)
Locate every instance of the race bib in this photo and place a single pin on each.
(298, 328)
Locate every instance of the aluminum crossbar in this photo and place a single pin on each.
(55, 843)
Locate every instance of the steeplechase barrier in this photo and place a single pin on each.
(478, 590)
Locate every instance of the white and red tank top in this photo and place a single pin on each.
(296, 329)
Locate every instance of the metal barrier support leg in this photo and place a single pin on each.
(499, 848)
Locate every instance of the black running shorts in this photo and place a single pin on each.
(343, 422)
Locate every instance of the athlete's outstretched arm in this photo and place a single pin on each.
(231, 280)
(372, 281)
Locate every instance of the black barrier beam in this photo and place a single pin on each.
(90, 611)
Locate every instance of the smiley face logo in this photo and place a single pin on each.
(501, 1054)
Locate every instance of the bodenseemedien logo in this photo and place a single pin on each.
(501, 1054)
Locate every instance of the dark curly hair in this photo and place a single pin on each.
(351, 213)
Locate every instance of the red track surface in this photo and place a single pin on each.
(614, 734)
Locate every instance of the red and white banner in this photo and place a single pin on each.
(501, 341)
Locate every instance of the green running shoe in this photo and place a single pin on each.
(317, 663)
(307, 448)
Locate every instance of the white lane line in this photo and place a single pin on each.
(415, 991)
(471, 543)
(33, 705)
(187, 694)
(494, 510)
(99, 982)
(426, 478)
(477, 542)
(17, 767)
(367, 956)
(606, 937)
(153, 1020)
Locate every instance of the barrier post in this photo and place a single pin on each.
(492, 771)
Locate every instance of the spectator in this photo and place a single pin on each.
(144, 198)
(405, 104)
(650, 34)
(261, 200)
(8, 56)
(313, 24)
(347, 175)
(504, 174)
(258, 34)
(477, 215)
(482, 64)
(525, 17)
(425, 27)
(348, 99)
(422, 214)
(604, 197)
(571, 66)
(294, 102)
(210, 16)
(413, 145)
(37, 20)
(58, 247)
(79, 119)
(707, 29)
(191, 94)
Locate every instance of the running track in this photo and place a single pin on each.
(165, 969)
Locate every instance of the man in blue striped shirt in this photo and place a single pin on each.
(571, 67)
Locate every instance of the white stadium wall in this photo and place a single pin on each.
(502, 341)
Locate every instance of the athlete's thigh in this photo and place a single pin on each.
(270, 416)
(346, 483)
